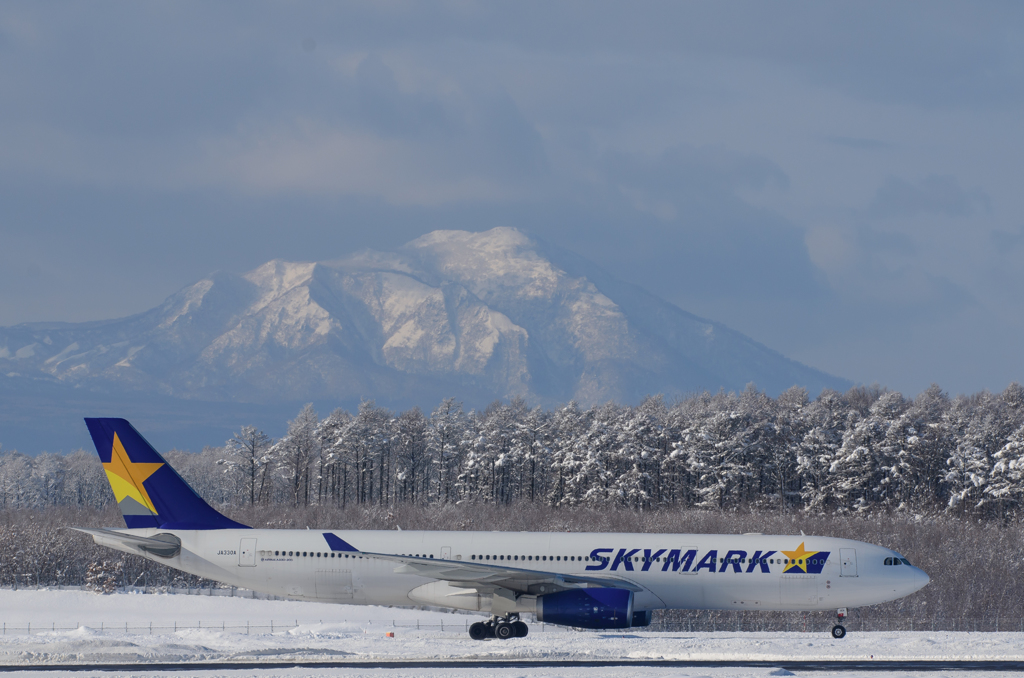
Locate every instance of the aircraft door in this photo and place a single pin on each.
(446, 553)
(247, 553)
(687, 559)
(847, 562)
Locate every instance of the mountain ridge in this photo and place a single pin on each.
(481, 316)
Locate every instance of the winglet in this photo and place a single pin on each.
(338, 544)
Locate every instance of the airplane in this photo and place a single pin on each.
(582, 580)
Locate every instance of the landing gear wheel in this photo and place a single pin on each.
(521, 628)
(838, 631)
(478, 631)
(504, 630)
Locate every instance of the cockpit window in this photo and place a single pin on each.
(888, 561)
(905, 561)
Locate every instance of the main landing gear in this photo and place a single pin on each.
(839, 631)
(499, 627)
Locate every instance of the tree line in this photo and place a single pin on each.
(864, 451)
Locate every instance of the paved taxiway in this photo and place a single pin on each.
(994, 666)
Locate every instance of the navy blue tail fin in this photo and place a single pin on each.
(148, 491)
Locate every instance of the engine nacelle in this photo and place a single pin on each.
(587, 608)
(642, 618)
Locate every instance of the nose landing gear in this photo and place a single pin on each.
(499, 627)
(839, 631)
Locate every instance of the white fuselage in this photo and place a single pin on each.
(676, 571)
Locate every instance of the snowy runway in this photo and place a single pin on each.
(93, 633)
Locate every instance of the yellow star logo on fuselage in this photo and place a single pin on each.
(797, 559)
(126, 477)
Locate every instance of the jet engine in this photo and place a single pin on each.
(588, 608)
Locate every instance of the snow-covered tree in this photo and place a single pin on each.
(445, 432)
(248, 456)
(294, 454)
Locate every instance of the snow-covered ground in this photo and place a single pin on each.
(214, 629)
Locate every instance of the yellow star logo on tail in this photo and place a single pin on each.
(126, 477)
(798, 559)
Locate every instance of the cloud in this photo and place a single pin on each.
(421, 144)
(689, 174)
(1007, 241)
(425, 152)
(699, 232)
(310, 157)
(807, 172)
(859, 143)
(940, 195)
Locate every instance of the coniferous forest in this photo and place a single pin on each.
(939, 478)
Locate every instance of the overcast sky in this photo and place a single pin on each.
(840, 181)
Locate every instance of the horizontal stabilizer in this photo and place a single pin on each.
(163, 545)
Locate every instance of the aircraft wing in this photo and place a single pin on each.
(481, 576)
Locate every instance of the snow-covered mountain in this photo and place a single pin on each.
(474, 315)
